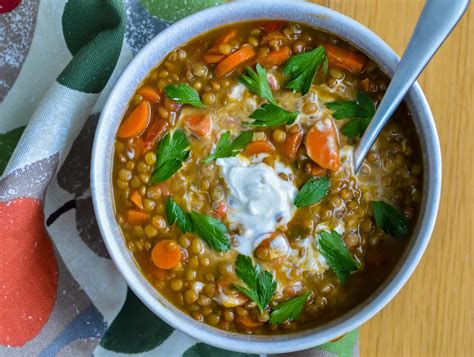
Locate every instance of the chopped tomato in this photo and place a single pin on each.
(155, 132)
(270, 26)
(221, 210)
(291, 145)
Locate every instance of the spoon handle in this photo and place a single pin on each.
(436, 22)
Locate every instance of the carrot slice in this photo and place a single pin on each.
(247, 323)
(154, 132)
(234, 60)
(136, 122)
(199, 125)
(270, 26)
(344, 59)
(166, 254)
(276, 58)
(136, 199)
(322, 145)
(226, 38)
(212, 58)
(150, 93)
(259, 146)
(291, 145)
(136, 217)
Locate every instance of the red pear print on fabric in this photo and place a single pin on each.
(28, 271)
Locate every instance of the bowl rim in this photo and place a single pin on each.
(102, 158)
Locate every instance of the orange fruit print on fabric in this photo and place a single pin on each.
(28, 271)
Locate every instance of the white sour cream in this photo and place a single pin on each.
(258, 199)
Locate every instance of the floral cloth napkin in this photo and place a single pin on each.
(60, 292)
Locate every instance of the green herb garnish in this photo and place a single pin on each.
(227, 147)
(211, 230)
(260, 285)
(257, 83)
(314, 190)
(301, 69)
(390, 220)
(183, 93)
(171, 153)
(337, 255)
(359, 111)
(272, 115)
(289, 310)
(174, 213)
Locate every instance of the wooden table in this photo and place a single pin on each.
(434, 313)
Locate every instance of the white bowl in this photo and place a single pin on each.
(102, 160)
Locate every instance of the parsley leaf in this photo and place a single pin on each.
(257, 83)
(289, 310)
(314, 190)
(260, 285)
(389, 219)
(301, 69)
(272, 115)
(361, 111)
(211, 230)
(336, 254)
(227, 148)
(171, 153)
(174, 213)
(183, 93)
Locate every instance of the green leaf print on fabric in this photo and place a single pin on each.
(203, 350)
(94, 32)
(8, 143)
(135, 329)
(177, 9)
(343, 347)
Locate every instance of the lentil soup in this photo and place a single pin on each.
(234, 185)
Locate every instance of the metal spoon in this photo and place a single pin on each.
(436, 22)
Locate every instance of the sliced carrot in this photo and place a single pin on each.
(234, 60)
(259, 146)
(226, 38)
(150, 93)
(136, 217)
(166, 254)
(136, 122)
(344, 59)
(247, 323)
(270, 26)
(154, 132)
(291, 144)
(221, 210)
(136, 199)
(199, 124)
(322, 145)
(211, 58)
(276, 58)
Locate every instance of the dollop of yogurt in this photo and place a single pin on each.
(258, 199)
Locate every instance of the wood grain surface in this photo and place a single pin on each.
(434, 313)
